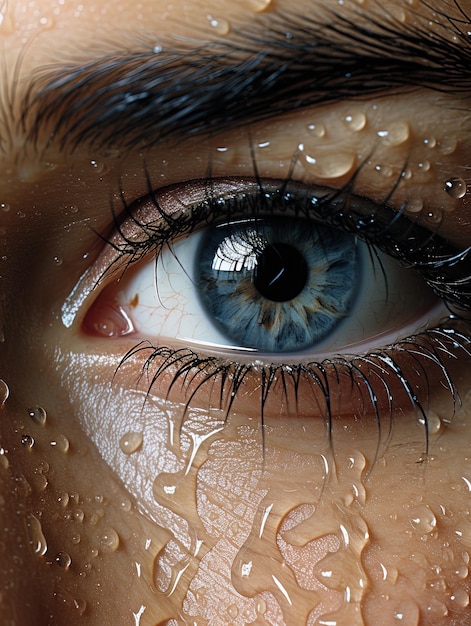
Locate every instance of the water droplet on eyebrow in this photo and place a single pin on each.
(4, 392)
(130, 442)
(38, 415)
(456, 188)
(221, 26)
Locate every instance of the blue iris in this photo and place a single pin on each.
(277, 285)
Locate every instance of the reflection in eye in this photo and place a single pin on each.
(274, 285)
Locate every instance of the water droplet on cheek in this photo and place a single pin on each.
(109, 540)
(27, 441)
(130, 442)
(456, 188)
(36, 538)
(63, 560)
(61, 443)
(38, 415)
(422, 519)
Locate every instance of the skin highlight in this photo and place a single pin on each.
(128, 503)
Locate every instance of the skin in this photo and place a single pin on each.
(120, 506)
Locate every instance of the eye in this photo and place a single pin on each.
(272, 285)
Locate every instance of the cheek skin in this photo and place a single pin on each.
(288, 529)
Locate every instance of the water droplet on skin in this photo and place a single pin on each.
(63, 560)
(109, 540)
(126, 505)
(38, 415)
(58, 260)
(221, 26)
(407, 614)
(434, 423)
(461, 598)
(3, 459)
(414, 205)
(61, 443)
(447, 145)
(396, 134)
(75, 539)
(27, 441)
(422, 519)
(63, 499)
(36, 538)
(4, 392)
(78, 515)
(232, 611)
(316, 130)
(130, 442)
(260, 606)
(260, 5)
(434, 216)
(356, 121)
(4, 206)
(326, 165)
(456, 188)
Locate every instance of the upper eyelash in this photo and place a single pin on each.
(444, 268)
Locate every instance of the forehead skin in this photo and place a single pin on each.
(120, 510)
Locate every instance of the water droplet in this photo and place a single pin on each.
(260, 606)
(260, 5)
(27, 441)
(38, 415)
(4, 462)
(316, 130)
(75, 539)
(396, 134)
(326, 165)
(126, 505)
(356, 121)
(4, 392)
(447, 145)
(456, 188)
(63, 560)
(130, 442)
(47, 22)
(78, 515)
(422, 519)
(232, 611)
(461, 598)
(424, 166)
(434, 216)
(407, 614)
(61, 443)
(221, 26)
(63, 499)
(109, 540)
(414, 205)
(58, 260)
(36, 538)
(4, 206)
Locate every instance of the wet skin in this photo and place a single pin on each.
(131, 497)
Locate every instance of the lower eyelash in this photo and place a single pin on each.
(381, 384)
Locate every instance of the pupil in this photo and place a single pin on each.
(281, 272)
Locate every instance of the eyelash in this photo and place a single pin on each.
(373, 376)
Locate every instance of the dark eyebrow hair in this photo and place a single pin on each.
(136, 99)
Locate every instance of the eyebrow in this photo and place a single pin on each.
(136, 99)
